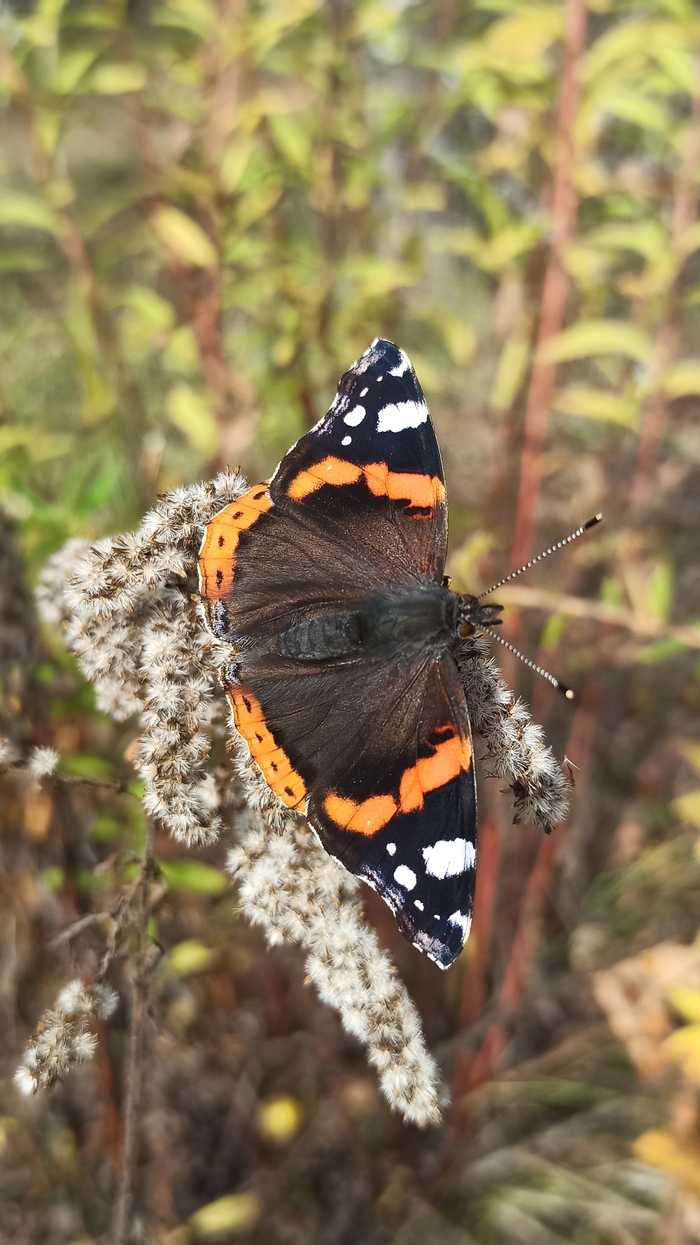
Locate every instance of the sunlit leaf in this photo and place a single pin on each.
(687, 808)
(190, 412)
(279, 1119)
(116, 79)
(677, 1155)
(184, 237)
(593, 337)
(687, 1003)
(27, 210)
(235, 1213)
(597, 404)
(72, 64)
(682, 378)
(189, 957)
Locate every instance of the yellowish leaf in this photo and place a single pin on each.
(594, 337)
(235, 1213)
(184, 237)
(279, 1119)
(510, 372)
(690, 751)
(686, 1002)
(682, 378)
(424, 197)
(597, 404)
(116, 79)
(189, 957)
(687, 808)
(189, 411)
(678, 1156)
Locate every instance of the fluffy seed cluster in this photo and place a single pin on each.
(290, 886)
(139, 636)
(514, 743)
(64, 1036)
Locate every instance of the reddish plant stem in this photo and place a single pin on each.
(685, 209)
(473, 986)
(555, 288)
(527, 939)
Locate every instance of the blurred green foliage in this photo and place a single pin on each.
(206, 209)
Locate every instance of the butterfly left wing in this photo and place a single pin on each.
(380, 760)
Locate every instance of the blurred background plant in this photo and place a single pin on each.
(207, 211)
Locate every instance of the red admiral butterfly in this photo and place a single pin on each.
(328, 582)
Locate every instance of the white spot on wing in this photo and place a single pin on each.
(406, 877)
(417, 904)
(355, 416)
(465, 922)
(364, 391)
(403, 366)
(395, 417)
(391, 848)
(346, 441)
(448, 857)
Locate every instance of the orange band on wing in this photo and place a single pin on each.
(276, 767)
(419, 490)
(450, 758)
(217, 558)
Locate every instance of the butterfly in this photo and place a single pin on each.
(328, 582)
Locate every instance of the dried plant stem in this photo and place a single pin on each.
(133, 1077)
(555, 288)
(577, 607)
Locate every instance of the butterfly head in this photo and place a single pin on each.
(473, 616)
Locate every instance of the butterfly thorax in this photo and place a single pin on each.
(425, 617)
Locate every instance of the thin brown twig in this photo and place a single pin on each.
(641, 625)
(133, 1077)
(79, 927)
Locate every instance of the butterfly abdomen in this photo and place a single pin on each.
(424, 616)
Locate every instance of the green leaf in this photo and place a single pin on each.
(192, 875)
(84, 766)
(189, 956)
(184, 237)
(597, 404)
(27, 210)
(23, 259)
(115, 79)
(594, 337)
(191, 413)
(660, 590)
(660, 651)
(73, 63)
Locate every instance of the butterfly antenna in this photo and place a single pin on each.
(561, 687)
(540, 558)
